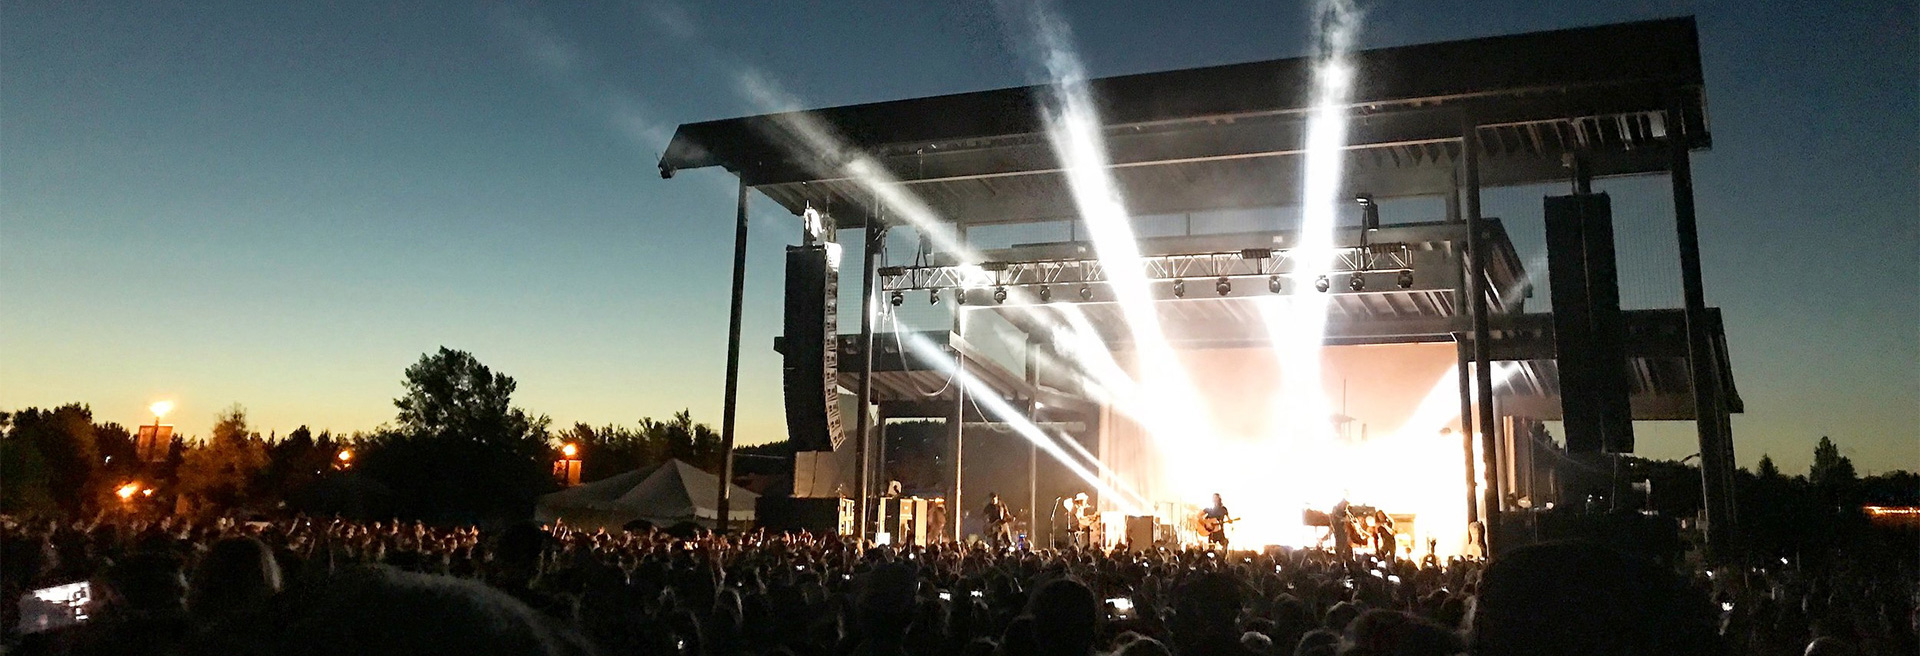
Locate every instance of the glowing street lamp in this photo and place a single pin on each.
(567, 469)
(126, 492)
(152, 445)
(345, 459)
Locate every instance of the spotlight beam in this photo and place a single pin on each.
(990, 401)
(1074, 130)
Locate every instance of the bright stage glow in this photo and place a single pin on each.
(1394, 445)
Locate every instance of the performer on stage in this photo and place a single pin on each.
(999, 522)
(937, 521)
(1214, 521)
(1385, 543)
(1080, 520)
(1342, 526)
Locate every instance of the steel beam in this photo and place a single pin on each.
(870, 246)
(1715, 458)
(1477, 257)
(730, 405)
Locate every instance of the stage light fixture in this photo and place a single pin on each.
(1086, 292)
(1358, 282)
(1046, 294)
(1369, 212)
(896, 298)
(959, 296)
(1273, 284)
(1179, 288)
(1406, 279)
(1321, 283)
(1224, 286)
(933, 297)
(999, 294)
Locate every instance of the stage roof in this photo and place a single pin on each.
(1225, 137)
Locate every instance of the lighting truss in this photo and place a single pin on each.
(1249, 263)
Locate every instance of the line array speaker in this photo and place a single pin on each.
(810, 356)
(1589, 336)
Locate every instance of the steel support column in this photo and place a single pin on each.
(957, 424)
(1033, 449)
(861, 413)
(1477, 256)
(728, 407)
(1465, 359)
(1715, 456)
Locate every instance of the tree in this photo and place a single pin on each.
(451, 394)
(27, 490)
(63, 439)
(221, 472)
(1830, 469)
(1767, 470)
(295, 463)
(461, 451)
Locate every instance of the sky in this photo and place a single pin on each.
(283, 205)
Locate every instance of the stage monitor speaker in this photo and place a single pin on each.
(810, 355)
(1589, 336)
(819, 516)
(1140, 529)
(905, 519)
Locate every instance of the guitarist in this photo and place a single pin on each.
(999, 522)
(1214, 521)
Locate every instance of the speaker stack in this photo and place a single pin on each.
(1589, 336)
(810, 354)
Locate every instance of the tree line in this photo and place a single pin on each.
(457, 450)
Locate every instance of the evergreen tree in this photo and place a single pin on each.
(1830, 469)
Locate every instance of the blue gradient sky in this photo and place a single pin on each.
(284, 206)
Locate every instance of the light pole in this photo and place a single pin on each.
(567, 468)
(155, 449)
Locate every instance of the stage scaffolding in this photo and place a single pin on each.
(1440, 120)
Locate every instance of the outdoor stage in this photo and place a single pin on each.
(1199, 335)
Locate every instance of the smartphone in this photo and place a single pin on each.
(946, 596)
(56, 607)
(978, 594)
(1122, 606)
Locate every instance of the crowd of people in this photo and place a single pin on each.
(327, 586)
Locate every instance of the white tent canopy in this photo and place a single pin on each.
(663, 495)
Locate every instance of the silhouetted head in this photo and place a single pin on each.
(238, 576)
(520, 545)
(146, 584)
(1340, 615)
(1393, 633)
(1318, 642)
(1829, 646)
(1143, 646)
(1205, 610)
(381, 611)
(1577, 598)
(1064, 615)
(886, 603)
